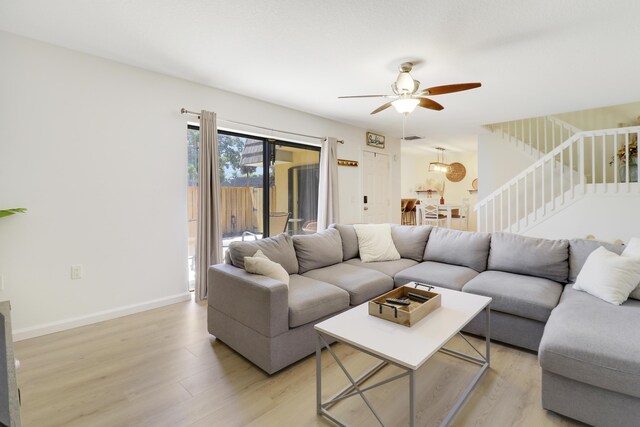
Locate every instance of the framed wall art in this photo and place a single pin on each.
(375, 140)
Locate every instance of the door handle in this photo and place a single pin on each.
(366, 199)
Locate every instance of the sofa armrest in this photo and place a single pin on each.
(256, 301)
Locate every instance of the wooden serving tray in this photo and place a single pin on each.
(407, 315)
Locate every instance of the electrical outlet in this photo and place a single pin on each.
(76, 271)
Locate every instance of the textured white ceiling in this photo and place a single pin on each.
(532, 57)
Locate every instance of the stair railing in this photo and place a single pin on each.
(586, 162)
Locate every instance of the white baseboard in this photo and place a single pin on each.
(74, 322)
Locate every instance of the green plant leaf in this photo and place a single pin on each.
(8, 212)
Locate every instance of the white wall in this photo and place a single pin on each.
(608, 217)
(498, 162)
(415, 171)
(602, 118)
(96, 151)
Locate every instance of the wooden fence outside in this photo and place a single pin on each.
(240, 207)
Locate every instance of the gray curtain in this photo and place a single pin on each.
(328, 210)
(209, 247)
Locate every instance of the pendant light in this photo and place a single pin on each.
(439, 165)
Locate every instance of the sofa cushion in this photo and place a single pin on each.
(349, 239)
(579, 251)
(594, 342)
(410, 240)
(362, 284)
(317, 250)
(278, 249)
(524, 296)
(311, 299)
(465, 248)
(390, 268)
(531, 256)
(438, 274)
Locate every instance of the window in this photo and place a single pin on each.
(255, 203)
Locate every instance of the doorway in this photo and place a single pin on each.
(376, 177)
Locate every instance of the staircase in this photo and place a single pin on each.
(568, 165)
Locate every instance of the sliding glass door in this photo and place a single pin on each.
(254, 203)
(294, 178)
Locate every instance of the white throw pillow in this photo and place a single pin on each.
(375, 242)
(609, 276)
(633, 250)
(260, 264)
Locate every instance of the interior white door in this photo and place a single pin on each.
(376, 176)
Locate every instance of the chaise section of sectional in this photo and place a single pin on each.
(590, 361)
(589, 352)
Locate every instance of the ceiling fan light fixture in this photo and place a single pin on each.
(405, 105)
(405, 83)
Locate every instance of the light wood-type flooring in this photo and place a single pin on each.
(162, 368)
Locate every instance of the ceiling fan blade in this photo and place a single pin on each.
(382, 107)
(364, 96)
(441, 90)
(430, 104)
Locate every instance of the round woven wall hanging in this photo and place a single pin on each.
(457, 172)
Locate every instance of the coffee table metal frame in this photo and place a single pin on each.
(354, 389)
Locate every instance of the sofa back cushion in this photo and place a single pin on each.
(531, 256)
(579, 251)
(410, 240)
(278, 249)
(349, 239)
(318, 250)
(465, 248)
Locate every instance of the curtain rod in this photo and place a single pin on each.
(185, 111)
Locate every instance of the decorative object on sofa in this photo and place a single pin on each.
(456, 172)
(13, 211)
(407, 96)
(633, 250)
(345, 162)
(375, 140)
(259, 263)
(609, 276)
(375, 243)
(439, 165)
(406, 315)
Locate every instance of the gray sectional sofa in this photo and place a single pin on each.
(589, 350)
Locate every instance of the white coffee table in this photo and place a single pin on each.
(405, 347)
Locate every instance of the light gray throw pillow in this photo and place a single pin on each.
(465, 248)
(410, 240)
(278, 249)
(318, 250)
(350, 248)
(518, 254)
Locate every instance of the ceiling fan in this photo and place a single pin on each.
(407, 96)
